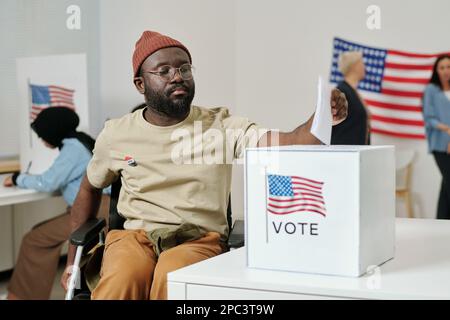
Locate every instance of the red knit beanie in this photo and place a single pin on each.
(151, 42)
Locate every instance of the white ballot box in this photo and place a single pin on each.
(320, 209)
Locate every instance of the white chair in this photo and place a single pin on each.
(404, 160)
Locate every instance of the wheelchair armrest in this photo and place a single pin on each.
(87, 232)
(237, 235)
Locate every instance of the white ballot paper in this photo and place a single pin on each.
(321, 126)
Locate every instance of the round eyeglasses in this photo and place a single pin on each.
(168, 72)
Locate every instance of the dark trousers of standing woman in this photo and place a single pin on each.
(443, 162)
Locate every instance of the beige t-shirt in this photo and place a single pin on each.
(174, 174)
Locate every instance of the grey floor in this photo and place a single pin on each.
(57, 291)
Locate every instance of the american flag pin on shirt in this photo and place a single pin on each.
(131, 162)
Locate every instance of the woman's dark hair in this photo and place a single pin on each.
(86, 140)
(435, 77)
(54, 124)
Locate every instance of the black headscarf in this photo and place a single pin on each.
(57, 123)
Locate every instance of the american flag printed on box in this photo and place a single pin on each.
(43, 97)
(393, 87)
(294, 194)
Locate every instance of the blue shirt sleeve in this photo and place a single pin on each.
(429, 108)
(54, 178)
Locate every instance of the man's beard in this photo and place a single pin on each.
(173, 108)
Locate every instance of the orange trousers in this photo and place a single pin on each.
(131, 270)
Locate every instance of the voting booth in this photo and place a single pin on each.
(320, 209)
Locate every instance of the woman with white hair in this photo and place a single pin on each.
(354, 130)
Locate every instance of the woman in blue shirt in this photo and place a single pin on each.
(436, 110)
(40, 250)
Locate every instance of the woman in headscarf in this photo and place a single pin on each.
(40, 250)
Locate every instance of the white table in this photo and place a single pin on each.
(420, 270)
(14, 195)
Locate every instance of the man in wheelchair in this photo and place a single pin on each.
(174, 161)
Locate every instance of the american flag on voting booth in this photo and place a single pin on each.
(392, 89)
(43, 97)
(292, 194)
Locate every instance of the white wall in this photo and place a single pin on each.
(36, 28)
(238, 48)
(206, 27)
(296, 36)
(9, 144)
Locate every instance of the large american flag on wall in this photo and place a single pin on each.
(392, 89)
(43, 97)
(291, 194)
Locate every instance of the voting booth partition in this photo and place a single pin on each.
(320, 209)
(43, 82)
